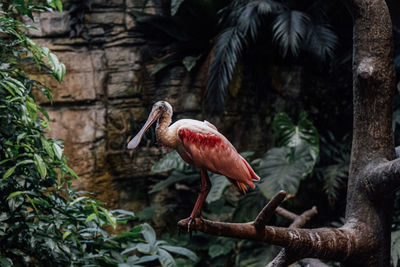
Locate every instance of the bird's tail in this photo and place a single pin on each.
(253, 175)
(242, 186)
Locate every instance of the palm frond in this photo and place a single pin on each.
(321, 41)
(244, 19)
(227, 50)
(289, 29)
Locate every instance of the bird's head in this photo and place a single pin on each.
(159, 108)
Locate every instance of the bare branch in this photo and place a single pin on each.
(285, 213)
(303, 218)
(268, 211)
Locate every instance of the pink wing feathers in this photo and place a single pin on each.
(207, 148)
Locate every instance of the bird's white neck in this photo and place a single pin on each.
(164, 134)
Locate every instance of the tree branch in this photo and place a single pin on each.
(384, 177)
(285, 256)
(268, 211)
(327, 243)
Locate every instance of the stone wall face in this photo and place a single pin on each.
(106, 96)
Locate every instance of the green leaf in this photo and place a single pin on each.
(170, 162)
(395, 248)
(175, 4)
(40, 165)
(148, 234)
(190, 62)
(58, 4)
(57, 150)
(165, 258)
(283, 168)
(47, 147)
(110, 218)
(76, 200)
(181, 251)
(216, 250)
(291, 135)
(14, 194)
(9, 172)
(5, 262)
(219, 183)
(66, 234)
(90, 217)
(32, 110)
(71, 172)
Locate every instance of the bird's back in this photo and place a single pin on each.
(204, 147)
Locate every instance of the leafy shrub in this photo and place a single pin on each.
(43, 222)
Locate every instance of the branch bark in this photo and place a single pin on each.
(285, 256)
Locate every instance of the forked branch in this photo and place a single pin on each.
(326, 243)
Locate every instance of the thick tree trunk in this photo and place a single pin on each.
(369, 203)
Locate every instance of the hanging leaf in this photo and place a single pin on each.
(289, 30)
(57, 150)
(283, 168)
(47, 147)
(40, 165)
(321, 41)
(66, 234)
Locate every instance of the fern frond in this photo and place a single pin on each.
(321, 41)
(227, 50)
(289, 29)
(244, 19)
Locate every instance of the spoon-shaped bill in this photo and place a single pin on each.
(154, 115)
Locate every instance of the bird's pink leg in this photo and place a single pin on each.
(204, 190)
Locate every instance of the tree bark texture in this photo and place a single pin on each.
(374, 174)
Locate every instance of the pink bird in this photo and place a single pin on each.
(200, 144)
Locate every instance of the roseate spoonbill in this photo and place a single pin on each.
(200, 144)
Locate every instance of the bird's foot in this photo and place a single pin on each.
(191, 225)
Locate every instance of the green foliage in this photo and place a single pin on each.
(42, 220)
(219, 184)
(171, 161)
(283, 168)
(289, 30)
(153, 249)
(334, 166)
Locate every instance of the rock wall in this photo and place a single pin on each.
(107, 93)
